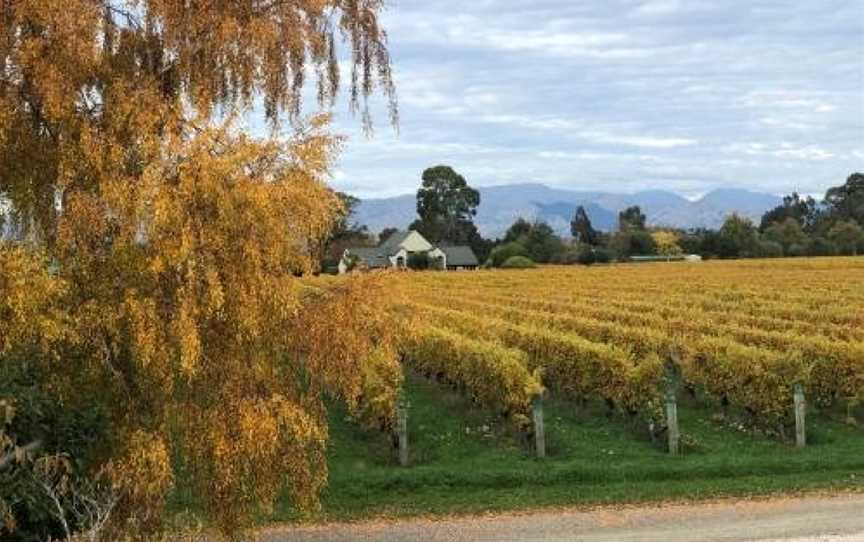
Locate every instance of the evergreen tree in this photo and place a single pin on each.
(581, 229)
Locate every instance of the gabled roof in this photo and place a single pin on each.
(459, 255)
(379, 256)
(390, 246)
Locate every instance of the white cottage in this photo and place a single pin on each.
(400, 246)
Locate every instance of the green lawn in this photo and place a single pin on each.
(464, 460)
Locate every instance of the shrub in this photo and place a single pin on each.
(603, 255)
(568, 256)
(822, 247)
(586, 256)
(418, 261)
(797, 249)
(437, 264)
(633, 243)
(63, 442)
(518, 262)
(502, 253)
(770, 249)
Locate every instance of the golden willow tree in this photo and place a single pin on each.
(158, 281)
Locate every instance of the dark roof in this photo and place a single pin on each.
(457, 256)
(373, 257)
(379, 256)
(390, 246)
(460, 255)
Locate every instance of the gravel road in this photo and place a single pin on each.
(807, 519)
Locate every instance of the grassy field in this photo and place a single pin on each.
(464, 460)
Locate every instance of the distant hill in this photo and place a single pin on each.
(500, 206)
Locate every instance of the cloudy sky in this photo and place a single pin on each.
(619, 95)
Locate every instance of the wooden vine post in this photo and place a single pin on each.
(539, 430)
(851, 403)
(402, 431)
(672, 421)
(800, 416)
(672, 379)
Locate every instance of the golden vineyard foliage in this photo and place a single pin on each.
(569, 363)
(360, 307)
(493, 375)
(160, 280)
(741, 332)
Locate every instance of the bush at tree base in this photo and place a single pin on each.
(518, 262)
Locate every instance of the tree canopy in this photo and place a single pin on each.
(581, 228)
(346, 232)
(738, 237)
(446, 206)
(538, 240)
(846, 202)
(787, 233)
(847, 235)
(163, 245)
(631, 219)
(804, 211)
(666, 243)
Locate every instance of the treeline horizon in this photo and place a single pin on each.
(799, 226)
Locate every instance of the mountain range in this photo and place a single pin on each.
(500, 206)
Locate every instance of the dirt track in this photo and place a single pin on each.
(808, 519)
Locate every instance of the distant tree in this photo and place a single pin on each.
(543, 243)
(345, 234)
(520, 229)
(846, 202)
(695, 241)
(786, 233)
(540, 241)
(505, 251)
(586, 255)
(603, 255)
(386, 233)
(632, 243)
(482, 247)
(847, 235)
(631, 219)
(581, 228)
(820, 246)
(446, 206)
(770, 249)
(570, 253)
(738, 237)
(343, 222)
(804, 211)
(796, 250)
(666, 243)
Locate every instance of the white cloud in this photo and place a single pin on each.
(786, 100)
(781, 150)
(647, 142)
(658, 7)
(810, 152)
(624, 94)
